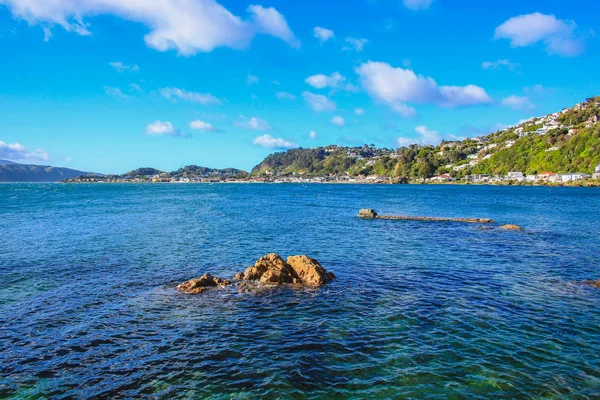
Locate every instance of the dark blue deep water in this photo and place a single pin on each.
(419, 310)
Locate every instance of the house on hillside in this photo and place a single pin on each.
(442, 178)
(571, 177)
(597, 172)
(515, 176)
(545, 176)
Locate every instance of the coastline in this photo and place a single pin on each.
(585, 184)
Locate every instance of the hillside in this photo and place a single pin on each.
(563, 142)
(191, 173)
(35, 173)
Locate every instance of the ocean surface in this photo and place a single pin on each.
(88, 306)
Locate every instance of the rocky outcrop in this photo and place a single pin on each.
(269, 270)
(309, 271)
(367, 213)
(301, 270)
(199, 285)
(511, 227)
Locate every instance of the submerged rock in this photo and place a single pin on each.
(199, 285)
(593, 283)
(367, 213)
(511, 227)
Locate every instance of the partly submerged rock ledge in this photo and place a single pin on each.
(368, 213)
(271, 270)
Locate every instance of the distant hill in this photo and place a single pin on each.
(142, 172)
(14, 172)
(562, 142)
(194, 170)
(6, 162)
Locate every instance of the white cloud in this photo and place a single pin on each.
(68, 159)
(254, 123)
(188, 26)
(334, 81)
(538, 90)
(285, 96)
(115, 92)
(359, 111)
(47, 34)
(120, 67)
(318, 102)
(404, 110)
(271, 142)
(426, 137)
(136, 88)
(355, 44)
(18, 152)
(202, 126)
(312, 134)
(271, 22)
(517, 102)
(504, 63)
(164, 128)
(337, 120)
(251, 79)
(558, 36)
(417, 4)
(171, 93)
(397, 86)
(323, 34)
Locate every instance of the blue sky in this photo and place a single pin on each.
(112, 85)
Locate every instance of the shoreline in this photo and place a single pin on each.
(584, 184)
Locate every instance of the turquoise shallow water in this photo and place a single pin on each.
(423, 310)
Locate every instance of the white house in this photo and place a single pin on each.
(515, 176)
(574, 177)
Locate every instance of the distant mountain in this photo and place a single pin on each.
(13, 172)
(6, 162)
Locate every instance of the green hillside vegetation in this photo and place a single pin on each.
(194, 170)
(142, 172)
(572, 145)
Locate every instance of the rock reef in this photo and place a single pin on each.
(511, 227)
(269, 270)
(595, 284)
(368, 213)
(198, 285)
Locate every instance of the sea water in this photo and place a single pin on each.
(88, 306)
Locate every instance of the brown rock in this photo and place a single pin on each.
(367, 213)
(511, 227)
(239, 276)
(198, 285)
(309, 271)
(270, 269)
